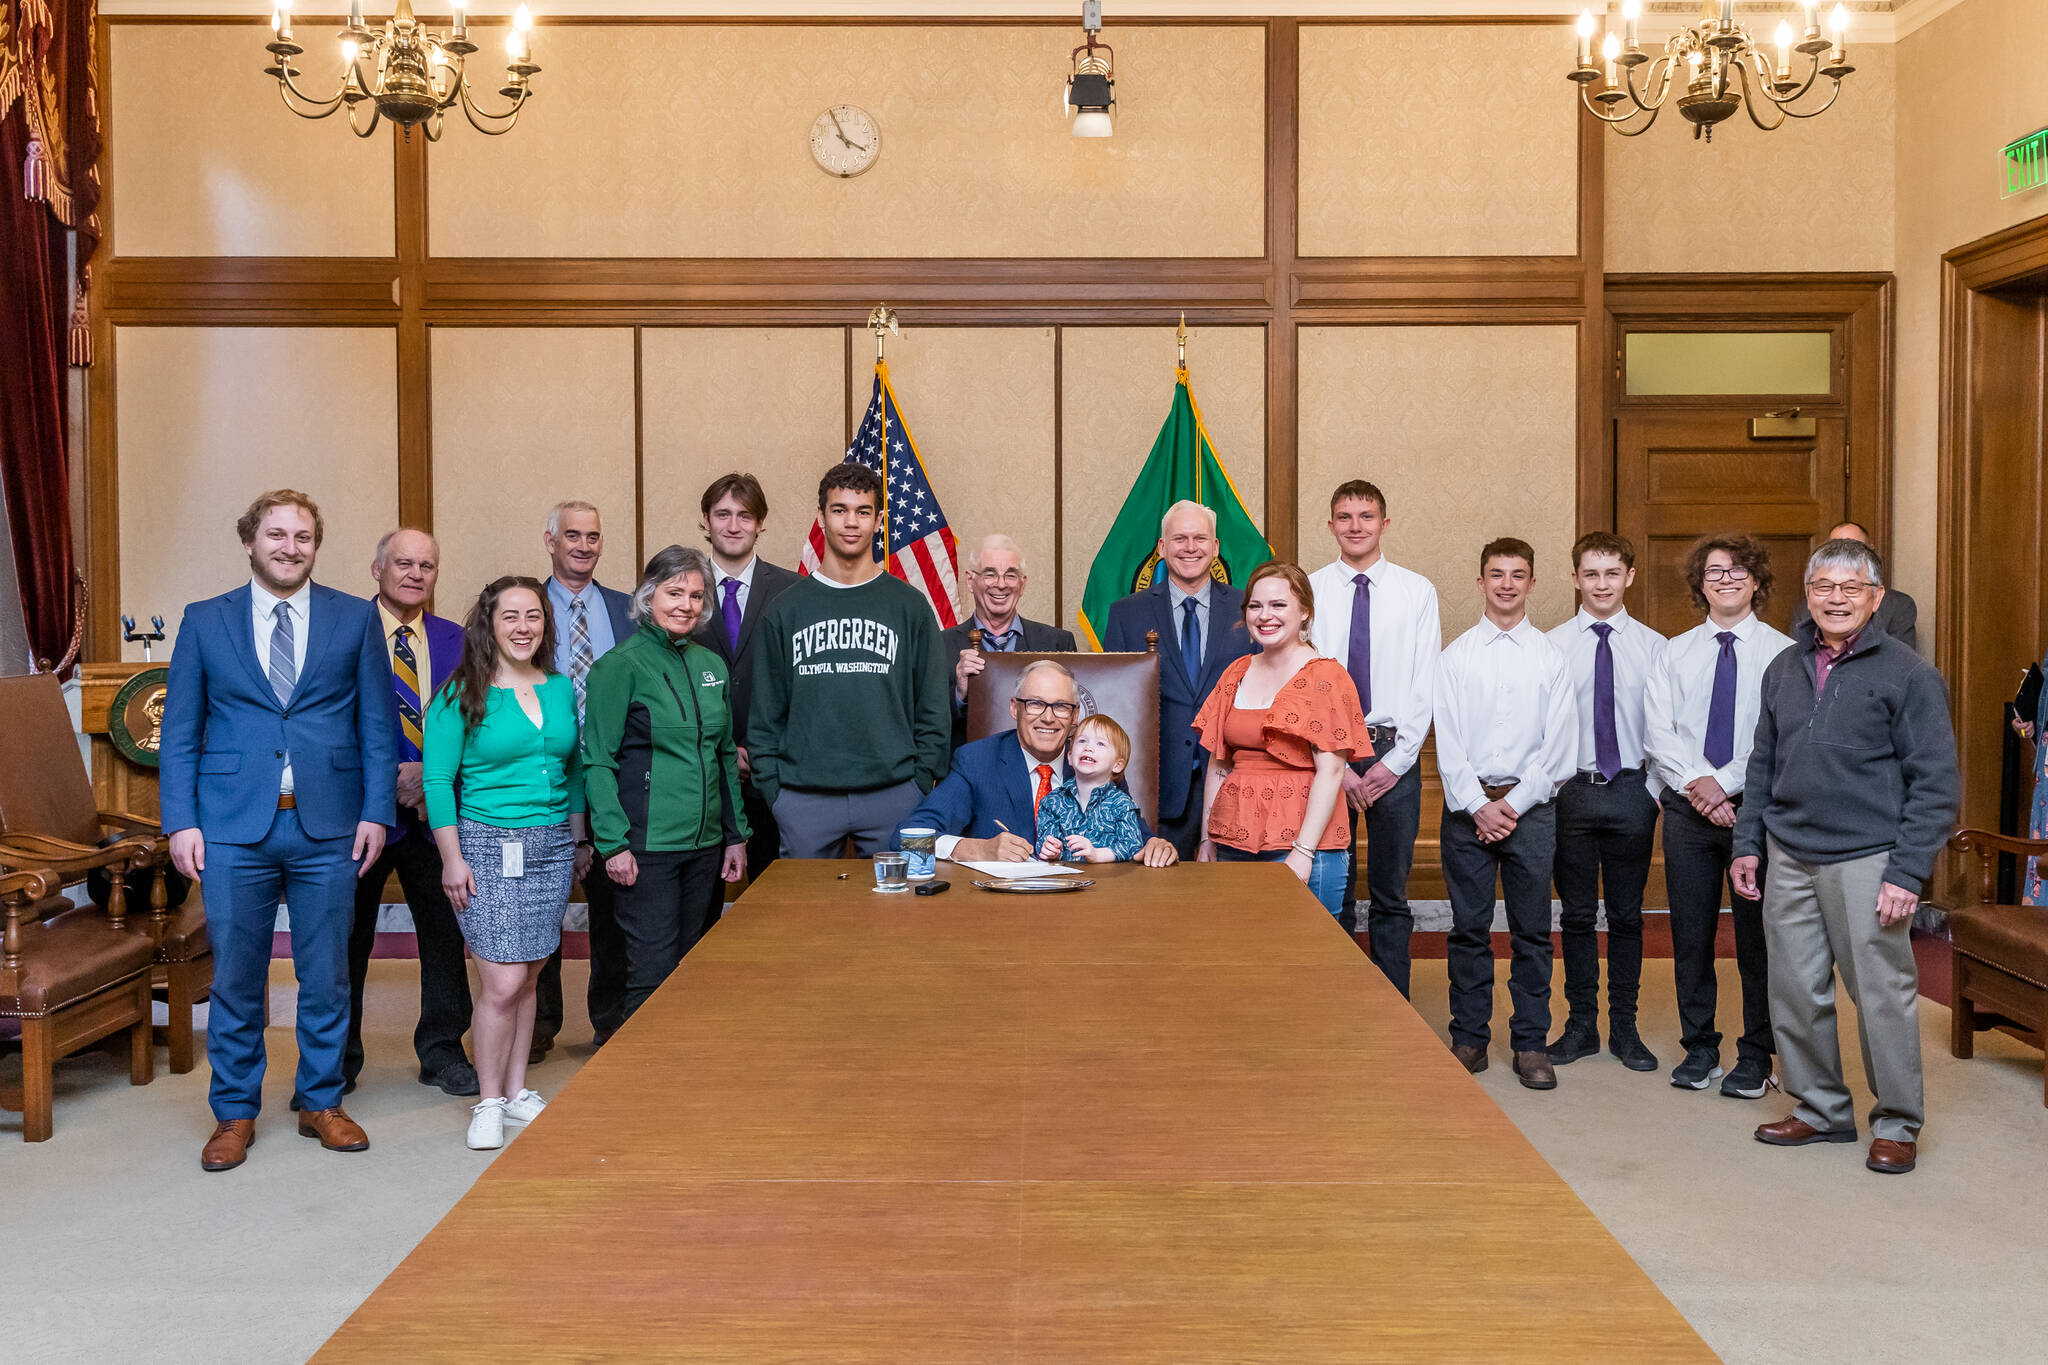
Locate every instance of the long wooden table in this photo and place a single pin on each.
(1174, 1117)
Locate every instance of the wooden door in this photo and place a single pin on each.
(1685, 474)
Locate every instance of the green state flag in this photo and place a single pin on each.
(1183, 464)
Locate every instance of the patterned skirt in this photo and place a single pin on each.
(516, 919)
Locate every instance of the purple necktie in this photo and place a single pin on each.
(1606, 747)
(731, 608)
(1721, 710)
(1360, 665)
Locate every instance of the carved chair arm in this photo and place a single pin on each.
(18, 890)
(72, 861)
(128, 819)
(1987, 846)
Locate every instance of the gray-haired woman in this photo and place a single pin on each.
(661, 773)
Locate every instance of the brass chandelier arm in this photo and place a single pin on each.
(289, 90)
(361, 129)
(504, 121)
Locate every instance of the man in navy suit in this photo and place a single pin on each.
(987, 806)
(422, 650)
(277, 784)
(589, 619)
(1200, 622)
(735, 512)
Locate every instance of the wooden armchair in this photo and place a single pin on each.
(2000, 953)
(48, 820)
(1124, 687)
(72, 977)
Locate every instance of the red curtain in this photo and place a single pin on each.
(49, 149)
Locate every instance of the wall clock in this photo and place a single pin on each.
(845, 141)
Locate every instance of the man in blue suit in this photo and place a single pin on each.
(277, 784)
(1200, 623)
(986, 808)
(589, 619)
(423, 651)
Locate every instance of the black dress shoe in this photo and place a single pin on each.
(537, 1052)
(1533, 1070)
(348, 1087)
(456, 1078)
(1578, 1040)
(1627, 1047)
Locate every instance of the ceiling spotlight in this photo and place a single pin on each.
(1091, 86)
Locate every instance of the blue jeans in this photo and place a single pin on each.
(1325, 876)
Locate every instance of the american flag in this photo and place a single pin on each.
(921, 550)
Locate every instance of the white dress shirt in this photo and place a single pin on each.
(745, 578)
(1504, 708)
(943, 845)
(263, 605)
(1682, 689)
(1637, 650)
(1407, 636)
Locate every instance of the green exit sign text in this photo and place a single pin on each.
(2026, 164)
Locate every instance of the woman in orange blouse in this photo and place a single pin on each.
(1280, 727)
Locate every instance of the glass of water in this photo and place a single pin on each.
(892, 872)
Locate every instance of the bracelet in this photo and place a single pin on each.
(1308, 853)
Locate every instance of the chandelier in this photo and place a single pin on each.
(404, 71)
(1719, 67)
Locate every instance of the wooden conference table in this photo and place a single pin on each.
(1174, 1117)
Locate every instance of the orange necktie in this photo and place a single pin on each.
(1044, 789)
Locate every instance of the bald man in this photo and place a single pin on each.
(1897, 615)
(996, 577)
(423, 650)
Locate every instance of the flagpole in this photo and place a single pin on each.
(1180, 375)
(882, 322)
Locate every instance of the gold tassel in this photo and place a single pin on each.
(81, 329)
(34, 173)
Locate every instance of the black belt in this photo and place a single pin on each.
(1381, 734)
(1592, 776)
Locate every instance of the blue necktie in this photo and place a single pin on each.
(731, 610)
(1360, 666)
(1190, 643)
(1720, 745)
(1606, 746)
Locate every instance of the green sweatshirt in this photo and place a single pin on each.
(850, 690)
(660, 769)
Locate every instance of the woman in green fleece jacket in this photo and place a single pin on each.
(661, 773)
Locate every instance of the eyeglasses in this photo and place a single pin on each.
(1034, 708)
(1734, 573)
(1009, 578)
(1822, 588)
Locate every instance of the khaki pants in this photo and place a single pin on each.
(1820, 918)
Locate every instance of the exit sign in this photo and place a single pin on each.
(2026, 164)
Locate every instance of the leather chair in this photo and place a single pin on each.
(72, 977)
(1124, 687)
(2000, 954)
(48, 820)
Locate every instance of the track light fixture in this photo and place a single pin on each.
(1091, 85)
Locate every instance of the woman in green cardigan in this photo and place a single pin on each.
(661, 773)
(504, 726)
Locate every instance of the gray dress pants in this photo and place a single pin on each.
(1819, 919)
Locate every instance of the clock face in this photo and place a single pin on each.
(845, 140)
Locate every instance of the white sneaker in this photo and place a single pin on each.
(487, 1125)
(524, 1107)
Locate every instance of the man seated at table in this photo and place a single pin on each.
(986, 810)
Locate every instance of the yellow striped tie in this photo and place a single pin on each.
(406, 672)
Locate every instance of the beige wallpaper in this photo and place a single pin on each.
(1816, 194)
(523, 418)
(979, 401)
(765, 400)
(1437, 140)
(1968, 84)
(207, 160)
(694, 140)
(1469, 431)
(1118, 388)
(212, 416)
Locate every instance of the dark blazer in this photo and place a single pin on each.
(1034, 637)
(1152, 609)
(225, 734)
(617, 605)
(1898, 615)
(769, 583)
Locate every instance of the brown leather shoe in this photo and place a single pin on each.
(1473, 1059)
(229, 1145)
(1793, 1131)
(1534, 1070)
(1891, 1158)
(336, 1130)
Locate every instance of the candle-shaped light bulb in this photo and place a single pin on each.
(281, 20)
(1631, 11)
(1812, 19)
(1784, 36)
(1585, 37)
(1610, 48)
(522, 18)
(1838, 24)
(461, 13)
(276, 24)
(515, 45)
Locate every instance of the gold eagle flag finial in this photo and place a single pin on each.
(882, 322)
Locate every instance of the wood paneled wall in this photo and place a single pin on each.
(520, 377)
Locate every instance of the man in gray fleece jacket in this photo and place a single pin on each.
(1856, 753)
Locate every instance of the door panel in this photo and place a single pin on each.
(1683, 475)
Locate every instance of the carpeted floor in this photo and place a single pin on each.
(123, 1250)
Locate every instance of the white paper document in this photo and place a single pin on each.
(1024, 869)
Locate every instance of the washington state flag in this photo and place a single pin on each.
(1183, 464)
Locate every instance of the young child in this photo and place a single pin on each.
(1088, 817)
